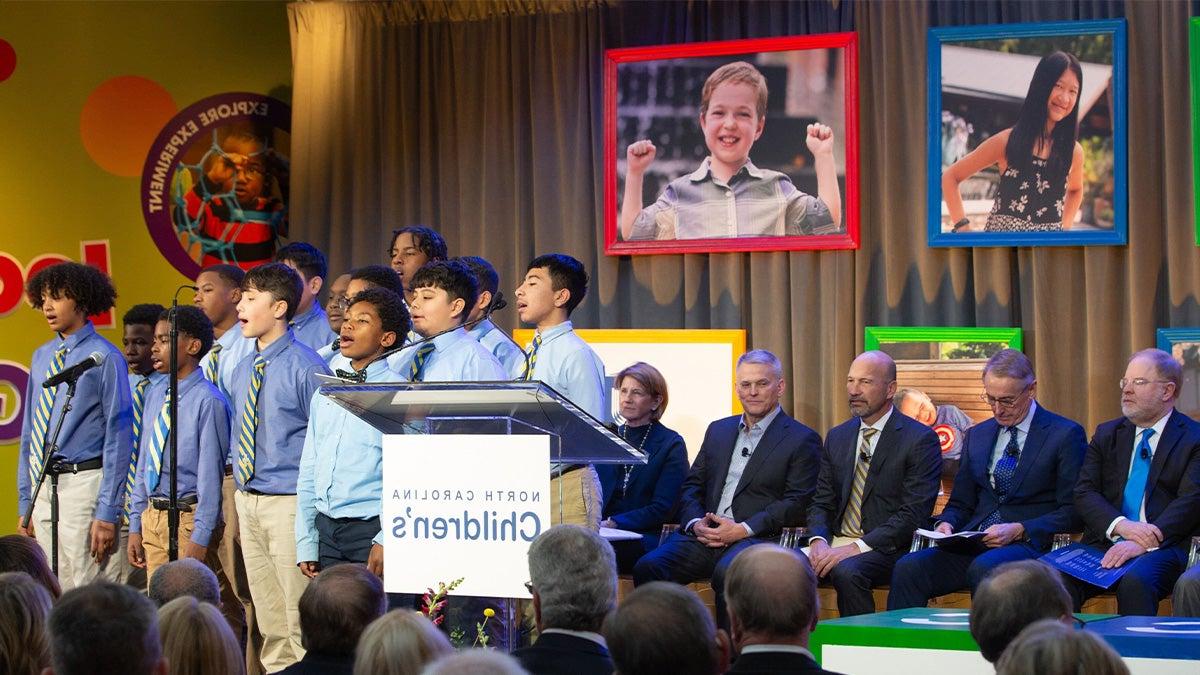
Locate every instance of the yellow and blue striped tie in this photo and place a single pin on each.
(527, 374)
(212, 366)
(139, 405)
(41, 417)
(416, 372)
(245, 458)
(158, 440)
(852, 518)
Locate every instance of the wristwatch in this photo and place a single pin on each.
(960, 224)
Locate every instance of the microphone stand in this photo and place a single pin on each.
(173, 416)
(51, 449)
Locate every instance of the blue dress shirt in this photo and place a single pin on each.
(155, 378)
(456, 357)
(234, 348)
(570, 367)
(492, 337)
(312, 328)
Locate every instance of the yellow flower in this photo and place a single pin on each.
(489, 612)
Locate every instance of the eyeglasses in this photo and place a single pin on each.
(1004, 402)
(342, 302)
(529, 587)
(1138, 382)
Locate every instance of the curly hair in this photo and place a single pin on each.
(193, 323)
(91, 289)
(145, 314)
(393, 314)
(379, 276)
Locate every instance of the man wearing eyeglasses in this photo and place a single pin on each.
(880, 474)
(1139, 488)
(1015, 483)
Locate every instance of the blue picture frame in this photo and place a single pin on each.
(1118, 234)
(1167, 337)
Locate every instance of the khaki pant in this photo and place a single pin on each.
(156, 538)
(575, 498)
(237, 606)
(267, 525)
(76, 508)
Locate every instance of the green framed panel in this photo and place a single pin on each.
(874, 336)
(1194, 72)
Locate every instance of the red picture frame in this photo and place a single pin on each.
(848, 238)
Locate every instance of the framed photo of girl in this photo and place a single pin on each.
(739, 145)
(1027, 134)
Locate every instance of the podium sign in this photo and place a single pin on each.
(463, 506)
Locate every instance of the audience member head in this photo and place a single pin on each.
(218, 290)
(1010, 598)
(139, 335)
(376, 321)
(916, 404)
(1009, 386)
(1050, 647)
(68, 293)
(662, 627)
(337, 606)
(401, 642)
(24, 608)
(641, 394)
(309, 262)
(270, 296)
(412, 247)
(574, 577)
(1150, 386)
(105, 628)
(368, 276)
(870, 385)
(759, 383)
(336, 304)
(19, 553)
(553, 287)
(475, 662)
(197, 640)
(488, 281)
(442, 295)
(186, 577)
(771, 593)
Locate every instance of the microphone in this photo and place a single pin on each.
(72, 373)
(745, 452)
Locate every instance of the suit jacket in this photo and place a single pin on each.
(776, 485)
(653, 487)
(560, 654)
(1042, 494)
(768, 663)
(321, 664)
(902, 483)
(1172, 489)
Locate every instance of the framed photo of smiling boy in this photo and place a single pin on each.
(1027, 134)
(740, 145)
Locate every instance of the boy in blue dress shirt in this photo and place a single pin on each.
(487, 333)
(92, 456)
(553, 287)
(272, 390)
(340, 484)
(203, 433)
(442, 294)
(310, 324)
(335, 308)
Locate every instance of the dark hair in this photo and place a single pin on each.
(186, 577)
(91, 289)
(279, 280)
(19, 553)
(662, 627)
(1010, 598)
(772, 591)
(1031, 122)
(451, 276)
(427, 241)
(338, 606)
(306, 257)
(194, 323)
(103, 628)
(142, 315)
(380, 276)
(485, 275)
(232, 274)
(565, 272)
(393, 314)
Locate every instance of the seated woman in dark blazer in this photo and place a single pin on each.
(639, 497)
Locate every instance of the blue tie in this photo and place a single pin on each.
(1139, 471)
(1002, 475)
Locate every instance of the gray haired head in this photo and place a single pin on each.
(764, 358)
(574, 576)
(184, 577)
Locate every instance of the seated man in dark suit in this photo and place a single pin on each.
(1139, 488)
(573, 575)
(335, 609)
(880, 475)
(754, 475)
(772, 596)
(1015, 482)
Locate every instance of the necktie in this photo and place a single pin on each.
(352, 375)
(212, 367)
(158, 440)
(1002, 475)
(41, 417)
(139, 404)
(527, 374)
(245, 458)
(1139, 471)
(417, 371)
(852, 520)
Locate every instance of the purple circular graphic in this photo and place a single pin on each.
(215, 182)
(16, 376)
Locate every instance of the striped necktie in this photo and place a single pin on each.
(41, 417)
(852, 520)
(245, 458)
(158, 440)
(212, 367)
(416, 372)
(139, 405)
(531, 362)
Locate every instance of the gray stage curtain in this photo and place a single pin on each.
(484, 120)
